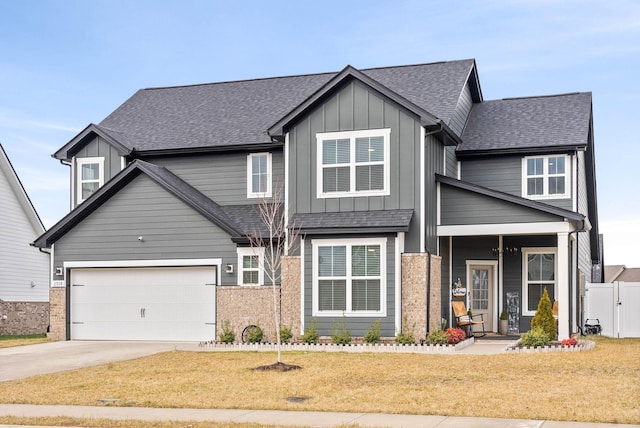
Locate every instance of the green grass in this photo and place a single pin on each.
(21, 340)
(24, 336)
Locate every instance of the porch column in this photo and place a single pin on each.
(563, 285)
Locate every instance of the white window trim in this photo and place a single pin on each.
(525, 266)
(545, 178)
(79, 181)
(382, 242)
(352, 135)
(250, 192)
(249, 251)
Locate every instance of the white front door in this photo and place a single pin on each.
(481, 280)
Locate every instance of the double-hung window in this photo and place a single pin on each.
(349, 277)
(90, 177)
(353, 163)
(259, 175)
(250, 263)
(539, 272)
(545, 177)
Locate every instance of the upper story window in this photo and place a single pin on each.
(90, 177)
(354, 163)
(539, 273)
(349, 277)
(545, 177)
(250, 261)
(259, 175)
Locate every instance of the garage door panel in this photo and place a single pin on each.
(143, 304)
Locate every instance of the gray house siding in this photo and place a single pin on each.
(502, 173)
(461, 112)
(355, 107)
(460, 207)
(221, 176)
(170, 230)
(451, 162)
(100, 148)
(433, 164)
(358, 326)
(584, 238)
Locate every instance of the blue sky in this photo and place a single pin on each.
(65, 64)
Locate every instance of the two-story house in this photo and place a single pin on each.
(402, 182)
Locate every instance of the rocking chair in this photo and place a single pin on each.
(465, 321)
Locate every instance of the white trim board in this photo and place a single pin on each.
(506, 229)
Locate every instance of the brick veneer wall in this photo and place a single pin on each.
(58, 314)
(291, 294)
(415, 274)
(24, 318)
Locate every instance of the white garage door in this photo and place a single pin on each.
(176, 304)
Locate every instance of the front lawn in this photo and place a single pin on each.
(602, 385)
(28, 339)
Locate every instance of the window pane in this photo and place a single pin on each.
(535, 186)
(249, 262)
(332, 261)
(329, 156)
(556, 165)
(547, 270)
(369, 177)
(88, 189)
(365, 295)
(370, 149)
(535, 166)
(90, 171)
(332, 295)
(365, 260)
(556, 185)
(534, 294)
(335, 179)
(250, 277)
(259, 173)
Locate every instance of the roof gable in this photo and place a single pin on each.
(7, 171)
(115, 138)
(163, 177)
(519, 125)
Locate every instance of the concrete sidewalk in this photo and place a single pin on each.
(285, 418)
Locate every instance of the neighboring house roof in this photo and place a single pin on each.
(6, 168)
(517, 125)
(235, 114)
(353, 221)
(528, 203)
(169, 181)
(621, 273)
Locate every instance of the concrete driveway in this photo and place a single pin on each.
(25, 361)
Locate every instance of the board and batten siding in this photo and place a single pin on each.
(461, 207)
(451, 162)
(355, 107)
(358, 326)
(99, 148)
(504, 173)
(461, 113)
(169, 229)
(21, 265)
(222, 177)
(434, 154)
(584, 238)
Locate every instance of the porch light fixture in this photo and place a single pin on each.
(229, 268)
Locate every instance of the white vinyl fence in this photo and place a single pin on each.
(617, 307)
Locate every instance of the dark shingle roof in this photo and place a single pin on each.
(548, 122)
(354, 221)
(240, 112)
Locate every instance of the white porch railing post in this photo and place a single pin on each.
(563, 285)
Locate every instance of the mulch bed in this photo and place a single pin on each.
(278, 367)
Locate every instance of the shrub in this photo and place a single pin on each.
(455, 335)
(437, 337)
(254, 335)
(311, 334)
(535, 337)
(406, 337)
(544, 316)
(503, 315)
(285, 334)
(227, 335)
(339, 333)
(373, 334)
(569, 342)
